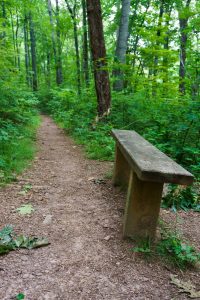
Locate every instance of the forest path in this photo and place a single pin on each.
(82, 218)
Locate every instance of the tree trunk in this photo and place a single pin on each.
(158, 34)
(168, 11)
(33, 54)
(13, 37)
(59, 72)
(122, 41)
(48, 73)
(17, 44)
(157, 48)
(183, 23)
(3, 16)
(26, 49)
(85, 46)
(101, 76)
(76, 44)
(49, 6)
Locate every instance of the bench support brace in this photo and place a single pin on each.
(121, 170)
(142, 208)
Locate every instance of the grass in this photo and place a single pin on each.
(16, 154)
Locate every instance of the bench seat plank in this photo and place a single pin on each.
(149, 163)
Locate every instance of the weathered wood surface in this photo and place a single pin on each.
(149, 163)
(142, 208)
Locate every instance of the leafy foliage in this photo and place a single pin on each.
(10, 241)
(181, 198)
(173, 133)
(171, 248)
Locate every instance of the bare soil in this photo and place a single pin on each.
(82, 218)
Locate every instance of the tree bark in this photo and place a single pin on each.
(33, 54)
(97, 43)
(72, 12)
(168, 10)
(122, 43)
(157, 48)
(26, 49)
(16, 39)
(59, 72)
(48, 74)
(13, 37)
(3, 16)
(183, 23)
(158, 34)
(85, 45)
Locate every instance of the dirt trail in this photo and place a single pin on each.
(82, 218)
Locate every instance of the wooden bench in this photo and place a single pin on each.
(143, 169)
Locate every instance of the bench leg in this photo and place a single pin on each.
(121, 169)
(142, 208)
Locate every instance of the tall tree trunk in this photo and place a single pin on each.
(48, 75)
(33, 54)
(158, 34)
(16, 39)
(26, 49)
(101, 76)
(157, 48)
(53, 40)
(72, 12)
(168, 10)
(122, 41)
(59, 76)
(183, 23)
(85, 45)
(13, 37)
(3, 16)
(133, 47)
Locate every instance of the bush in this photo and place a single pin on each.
(18, 123)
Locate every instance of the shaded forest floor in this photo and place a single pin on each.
(82, 218)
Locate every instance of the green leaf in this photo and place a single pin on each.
(4, 249)
(26, 209)
(20, 296)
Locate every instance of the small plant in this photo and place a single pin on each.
(171, 248)
(109, 174)
(177, 251)
(144, 247)
(20, 296)
(10, 241)
(181, 198)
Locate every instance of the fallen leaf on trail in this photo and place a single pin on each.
(97, 180)
(48, 219)
(26, 209)
(30, 242)
(91, 178)
(185, 287)
(23, 193)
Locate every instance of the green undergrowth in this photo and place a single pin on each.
(19, 121)
(172, 125)
(16, 153)
(182, 198)
(172, 249)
